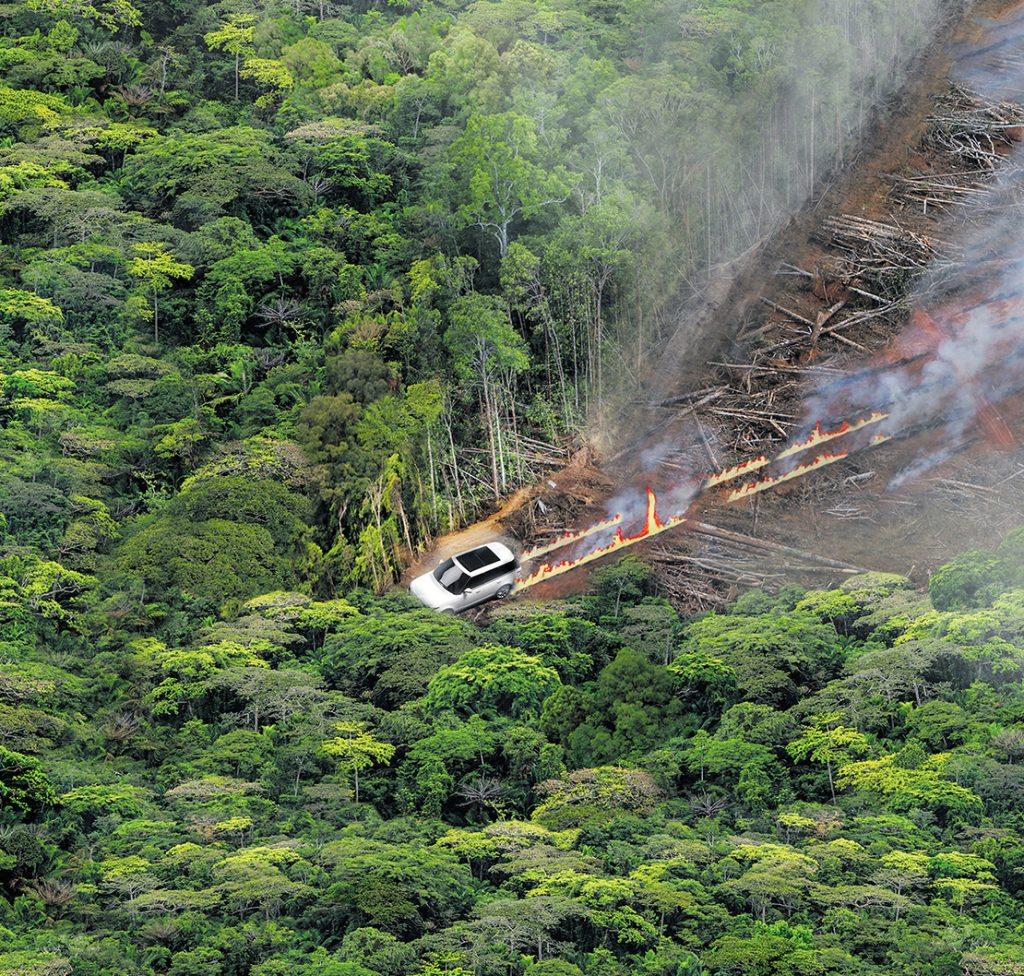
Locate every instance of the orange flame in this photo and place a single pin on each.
(736, 470)
(754, 487)
(653, 525)
(818, 436)
(567, 538)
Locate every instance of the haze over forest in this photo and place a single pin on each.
(290, 288)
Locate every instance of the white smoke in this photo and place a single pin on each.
(958, 366)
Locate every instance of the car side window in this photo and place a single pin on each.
(492, 574)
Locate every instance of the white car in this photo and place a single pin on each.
(463, 581)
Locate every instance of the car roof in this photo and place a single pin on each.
(483, 558)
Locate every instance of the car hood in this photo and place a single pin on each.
(427, 590)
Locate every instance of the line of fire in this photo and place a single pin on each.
(654, 525)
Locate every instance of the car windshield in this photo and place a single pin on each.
(453, 579)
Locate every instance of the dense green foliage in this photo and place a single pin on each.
(370, 255)
(288, 287)
(809, 783)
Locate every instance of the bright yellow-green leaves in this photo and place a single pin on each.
(27, 175)
(825, 740)
(26, 113)
(595, 796)
(910, 779)
(156, 269)
(609, 901)
(493, 679)
(183, 671)
(270, 74)
(357, 750)
(38, 314)
(44, 587)
(24, 784)
(122, 799)
(235, 37)
(262, 877)
(111, 15)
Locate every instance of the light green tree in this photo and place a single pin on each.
(180, 674)
(777, 876)
(498, 159)
(258, 877)
(272, 75)
(824, 740)
(494, 678)
(911, 780)
(129, 877)
(111, 15)
(356, 750)
(181, 441)
(234, 36)
(903, 873)
(17, 306)
(156, 269)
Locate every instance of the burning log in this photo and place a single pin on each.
(755, 487)
(818, 436)
(744, 467)
(653, 525)
(568, 538)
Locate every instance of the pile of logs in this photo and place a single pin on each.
(741, 417)
(729, 558)
(971, 130)
(943, 190)
(972, 137)
(885, 256)
(880, 246)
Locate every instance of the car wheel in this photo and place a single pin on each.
(503, 592)
(449, 611)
